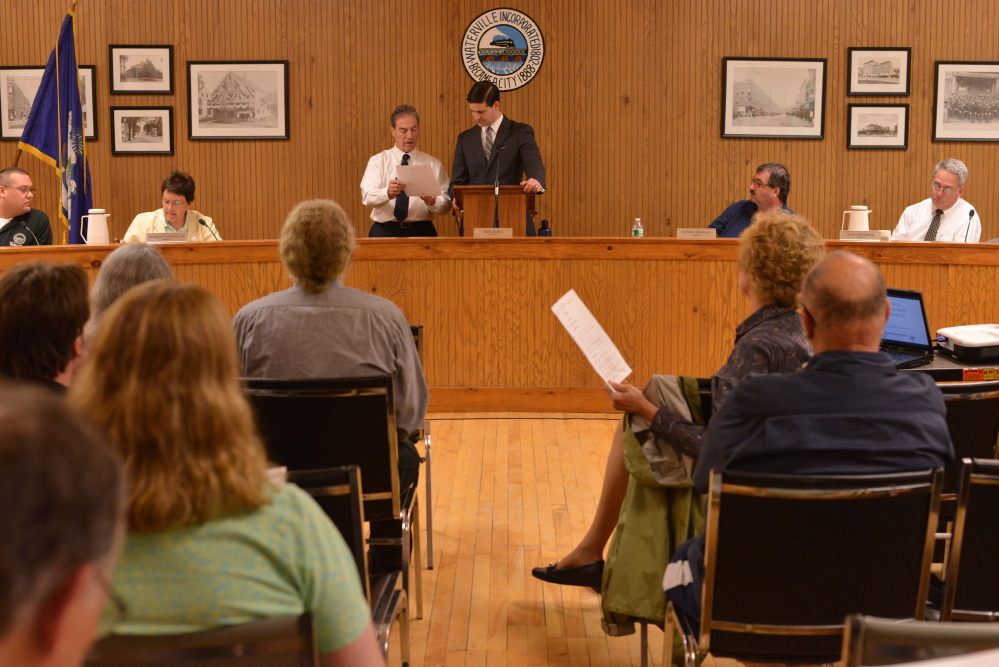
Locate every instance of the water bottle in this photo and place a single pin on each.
(637, 229)
(545, 229)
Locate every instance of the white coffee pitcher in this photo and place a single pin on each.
(859, 219)
(97, 228)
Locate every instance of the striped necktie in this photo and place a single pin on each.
(487, 145)
(402, 199)
(931, 233)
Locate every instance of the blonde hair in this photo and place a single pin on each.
(776, 251)
(317, 242)
(165, 390)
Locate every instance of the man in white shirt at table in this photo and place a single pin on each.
(944, 217)
(394, 212)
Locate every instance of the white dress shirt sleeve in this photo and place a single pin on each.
(374, 183)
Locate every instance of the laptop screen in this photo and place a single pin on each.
(907, 324)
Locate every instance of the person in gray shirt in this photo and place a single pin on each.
(321, 329)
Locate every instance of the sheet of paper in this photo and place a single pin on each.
(591, 338)
(419, 180)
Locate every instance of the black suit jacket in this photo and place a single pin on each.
(515, 152)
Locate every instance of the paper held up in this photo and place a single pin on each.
(419, 179)
(591, 338)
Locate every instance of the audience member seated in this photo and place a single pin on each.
(211, 543)
(775, 253)
(175, 216)
(123, 269)
(62, 491)
(849, 412)
(43, 310)
(320, 329)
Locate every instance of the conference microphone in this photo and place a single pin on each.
(25, 225)
(970, 218)
(205, 224)
(496, 205)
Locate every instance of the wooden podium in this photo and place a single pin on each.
(478, 204)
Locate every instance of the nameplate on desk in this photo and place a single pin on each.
(493, 232)
(865, 235)
(696, 233)
(166, 237)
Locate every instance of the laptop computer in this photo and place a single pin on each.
(906, 337)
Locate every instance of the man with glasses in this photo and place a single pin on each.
(944, 216)
(176, 216)
(767, 192)
(62, 490)
(20, 224)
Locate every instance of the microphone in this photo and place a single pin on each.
(205, 224)
(25, 225)
(496, 205)
(970, 217)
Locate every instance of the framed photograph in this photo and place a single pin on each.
(88, 93)
(20, 85)
(140, 70)
(142, 130)
(966, 106)
(878, 71)
(779, 98)
(238, 100)
(877, 126)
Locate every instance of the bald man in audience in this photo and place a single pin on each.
(848, 412)
(62, 490)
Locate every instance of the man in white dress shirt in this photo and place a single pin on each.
(944, 216)
(396, 213)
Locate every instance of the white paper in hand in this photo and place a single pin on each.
(591, 338)
(419, 180)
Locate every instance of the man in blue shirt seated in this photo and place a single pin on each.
(767, 192)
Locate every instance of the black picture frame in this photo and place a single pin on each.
(748, 103)
(875, 131)
(966, 101)
(151, 64)
(146, 141)
(264, 81)
(879, 82)
(88, 93)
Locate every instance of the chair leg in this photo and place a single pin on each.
(415, 531)
(644, 633)
(404, 630)
(689, 642)
(429, 497)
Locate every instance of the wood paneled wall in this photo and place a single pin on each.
(626, 105)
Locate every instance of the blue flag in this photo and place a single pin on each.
(54, 130)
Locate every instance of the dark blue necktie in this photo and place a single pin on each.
(402, 199)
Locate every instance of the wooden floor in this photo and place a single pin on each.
(511, 492)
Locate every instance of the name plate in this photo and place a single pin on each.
(696, 233)
(865, 235)
(493, 232)
(167, 237)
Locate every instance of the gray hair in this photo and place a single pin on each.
(123, 269)
(778, 177)
(955, 167)
(405, 110)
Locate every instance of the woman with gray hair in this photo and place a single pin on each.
(123, 269)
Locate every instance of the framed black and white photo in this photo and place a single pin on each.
(966, 106)
(877, 126)
(781, 98)
(142, 130)
(88, 92)
(141, 70)
(878, 71)
(238, 100)
(20, 85)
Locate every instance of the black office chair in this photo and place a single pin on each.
(282, 641)
(879, 641)
(788, 557)
(972, 587)
(317, 424)
(338, 492)
(973, 422)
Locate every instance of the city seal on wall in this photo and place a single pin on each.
(504, 46)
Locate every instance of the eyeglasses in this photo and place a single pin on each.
(24, 191)
(939, 188)
(760, 184)
(173, 204)
(115, 612)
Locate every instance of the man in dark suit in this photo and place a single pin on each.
(497, 148)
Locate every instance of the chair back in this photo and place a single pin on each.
(972, 592)
(973, 422)
(879, 641)
(282, 641)
(788, 557)
(417, 331)
(338, 492)
(317, 424)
